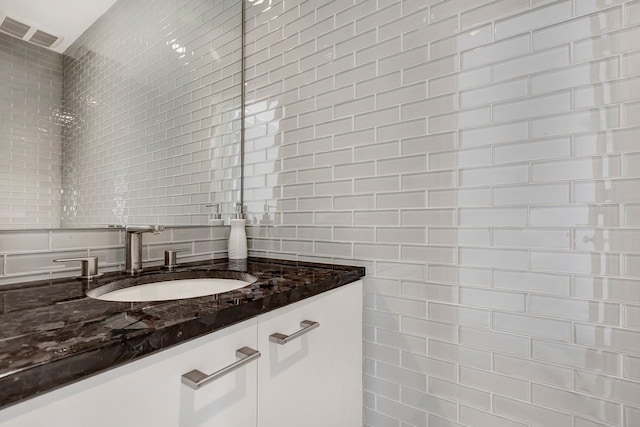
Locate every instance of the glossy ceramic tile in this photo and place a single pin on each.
(550, 397)
(531, 194)
(606, 191)
(460, 275)
(428, 403)
(461, 41)
(532, 107)
(491, 11)
(607, 288)
(533, 370)
(607, 387)
(538, 18)
(496, 52)
(576, 356)
(576, 29)
(537, 238)
(532, 326)
(577, 75)
(442, 9)
(496, 383)
(614, 339)
(631, 416)
(511, 132)
(557, 284)
(535, 62)
(423, 34)
(568, 216)
(511, 301)
(615, 240)
(459, 354)
(15, 241)
(539, 415)
(616, 42)
(466, 395)
(532, 150)
(574, 309)
(475, 418)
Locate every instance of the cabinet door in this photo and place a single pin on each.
(149, 392)
(314, 380)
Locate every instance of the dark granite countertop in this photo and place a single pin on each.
(52, 334)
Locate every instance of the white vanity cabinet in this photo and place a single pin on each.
(313, 380)
(148, 392)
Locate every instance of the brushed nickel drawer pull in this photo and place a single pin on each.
(197, 379)
(282, 339)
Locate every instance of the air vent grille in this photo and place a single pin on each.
(43, 39)
(28, 31)
(13, 27)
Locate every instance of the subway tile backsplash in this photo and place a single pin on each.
(28, 255)
(481, 159)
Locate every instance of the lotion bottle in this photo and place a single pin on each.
(238, 235)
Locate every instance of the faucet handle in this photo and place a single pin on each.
(88, 265)
(171, 258)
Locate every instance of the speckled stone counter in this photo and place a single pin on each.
(52, 334)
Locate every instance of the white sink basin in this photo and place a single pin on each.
(185, 285)
(174, 289)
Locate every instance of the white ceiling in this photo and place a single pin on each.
(67, 18)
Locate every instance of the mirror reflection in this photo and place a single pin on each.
(137, 121)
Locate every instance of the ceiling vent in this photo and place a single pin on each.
(44, 39)
(18, 28)
(13, 27)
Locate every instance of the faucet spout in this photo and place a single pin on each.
(133, 245)
(155, 229)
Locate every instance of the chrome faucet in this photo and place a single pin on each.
(133, 245)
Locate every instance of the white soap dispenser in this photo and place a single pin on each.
(238, 235)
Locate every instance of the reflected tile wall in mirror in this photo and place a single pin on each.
(30, 135)
(138, 122)
(152, 101)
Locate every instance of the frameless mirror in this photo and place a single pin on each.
(137, 121)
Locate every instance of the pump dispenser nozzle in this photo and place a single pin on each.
(238, 214)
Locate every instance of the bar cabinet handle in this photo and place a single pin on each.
(197, 379)
(306, 325)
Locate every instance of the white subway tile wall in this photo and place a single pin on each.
(152, 101)
(30, 135)
(481, 159)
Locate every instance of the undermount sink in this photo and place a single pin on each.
(165, 287)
